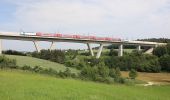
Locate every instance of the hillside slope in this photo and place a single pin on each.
(20, 85)
(25, 60)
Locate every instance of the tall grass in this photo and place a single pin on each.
(19, 85)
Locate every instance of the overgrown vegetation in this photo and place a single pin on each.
(6, 62)
(137, 61)
(107, 68)
(163, 52)
(133, 74)
(14, 52)
(52, 55)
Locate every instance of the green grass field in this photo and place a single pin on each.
(20, 85)
(25, 60)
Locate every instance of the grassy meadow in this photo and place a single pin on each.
(31, 61)
(21, 85)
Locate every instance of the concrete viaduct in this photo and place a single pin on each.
(36, 39)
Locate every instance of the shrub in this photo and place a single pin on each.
(13, 52)
(103, 70)
(139, 62)
(53, 55)
(117, 72)
(6, 62)
(113, 52)
(26, 67)
(133, 74)
(112, 73)
(160, 51)
(67, 72)
(71, 54)
(165, 62)
(37, 69)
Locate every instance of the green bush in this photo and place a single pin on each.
(13, 52)
(137, 61)
(133, 74)
(165, 62)
(26, 67)
(112, 73)
(113, 52)
(52, 55)
(160, 51)
(103, 70)
(7, 63)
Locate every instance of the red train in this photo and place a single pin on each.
(59, 35)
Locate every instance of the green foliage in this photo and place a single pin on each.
(113, 52)
(75, 63)
(112, 73)
(53, 55)
(93, 61)
(89, 73)
(165, 62)
(49, 71)
(117, 72)
(160, 51)
(71, 54)
(13, 52)
(168, 48)
(103, 70)
(18, 85)
(101, 73)
(133, 74)
(6, 62)
(140, 62)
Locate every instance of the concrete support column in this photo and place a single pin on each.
(156, 46)
(149, 51)
(139, 48)
(120, 51)
(52, 46)
(0, 47)
(99, 51)
(36, 46)
(90, 49)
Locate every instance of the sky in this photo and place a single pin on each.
(126, 19)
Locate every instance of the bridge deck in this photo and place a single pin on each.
(16, 36)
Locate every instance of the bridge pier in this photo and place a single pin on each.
(99, 51)
(139, 48)
(37, 46)
(52, 46)
(149, 51)
(120, 51)
(90, 49)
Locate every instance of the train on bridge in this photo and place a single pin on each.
(69, 36)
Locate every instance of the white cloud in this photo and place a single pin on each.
(77, 14)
